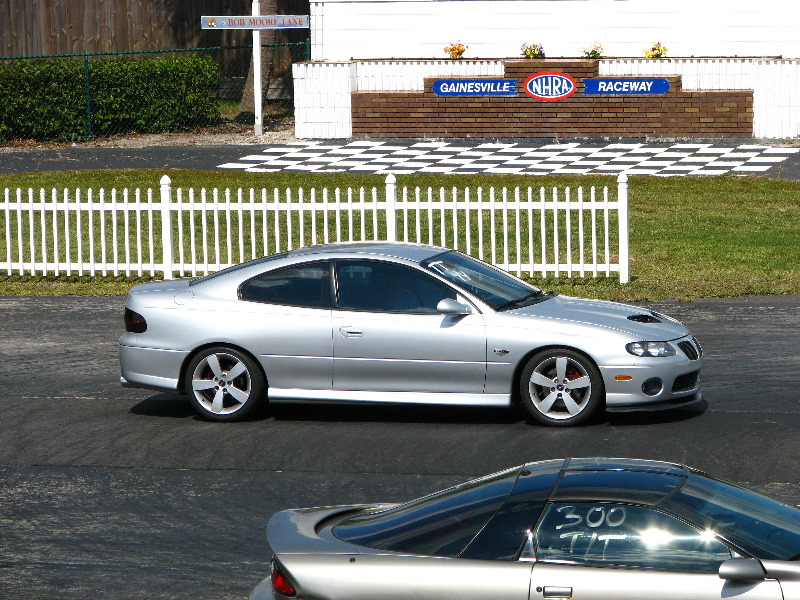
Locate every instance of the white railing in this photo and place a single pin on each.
(529, 231)
(322, 96)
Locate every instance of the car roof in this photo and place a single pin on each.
(623, 464)
(638, 481)
(398, 250)
(405, 250)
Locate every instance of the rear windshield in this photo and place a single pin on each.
(441, 524)
(244, 265)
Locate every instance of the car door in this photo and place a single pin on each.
(407, 577)
(596, 551)
(389, 337)
(287, 315)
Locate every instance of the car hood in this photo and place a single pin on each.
(645, 323)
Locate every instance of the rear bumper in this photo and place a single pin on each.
(151, 368)
(263, 591)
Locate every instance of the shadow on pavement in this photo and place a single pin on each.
(676, 415)
(164, 405)
(179, 407)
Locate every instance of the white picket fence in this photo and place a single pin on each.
(172, 231)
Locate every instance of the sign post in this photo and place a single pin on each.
(256, 22)
(258, 127)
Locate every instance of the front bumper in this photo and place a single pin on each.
(654, 383)
(694, 399)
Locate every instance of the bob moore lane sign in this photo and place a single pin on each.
(256, 22)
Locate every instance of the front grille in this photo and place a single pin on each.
(689, 349)
(685, 382)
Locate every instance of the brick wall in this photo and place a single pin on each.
(678, 113)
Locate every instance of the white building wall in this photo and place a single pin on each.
(367, 29)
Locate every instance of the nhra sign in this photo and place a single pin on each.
(550, 86)
(475, 87)
(626, 86)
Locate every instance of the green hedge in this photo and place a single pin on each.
(46, 99)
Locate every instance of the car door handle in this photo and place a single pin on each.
(350, 331)
(551, 591)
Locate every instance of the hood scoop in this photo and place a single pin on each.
(647, 318)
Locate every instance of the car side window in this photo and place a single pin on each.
(606, 534)
(306, 285)
(385, 287)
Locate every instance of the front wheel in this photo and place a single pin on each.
(224, 384)
(561, 387)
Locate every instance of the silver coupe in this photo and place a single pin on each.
(400, 323)
(575, 529)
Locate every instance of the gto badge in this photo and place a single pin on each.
(550, 86)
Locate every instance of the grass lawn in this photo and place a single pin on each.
(690, 237)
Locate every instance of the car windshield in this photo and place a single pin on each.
(441, 524)
(762, 526)
(495, 287)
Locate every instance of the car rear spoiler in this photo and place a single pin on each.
(297, 531)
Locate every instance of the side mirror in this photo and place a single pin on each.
(742, 569)
(448, 306)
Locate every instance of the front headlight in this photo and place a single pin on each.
(650, 349)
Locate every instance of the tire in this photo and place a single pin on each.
(224, 384)
(561, 387)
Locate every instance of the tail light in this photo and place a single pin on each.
(134, 322)
(280, 583)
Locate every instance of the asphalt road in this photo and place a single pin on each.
(211, 157)
(152, 157)
(118, 493)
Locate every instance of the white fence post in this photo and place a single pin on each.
(166, 226)
(391, 208)
(624, 241)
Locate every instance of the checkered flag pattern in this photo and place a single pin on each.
(663, 159)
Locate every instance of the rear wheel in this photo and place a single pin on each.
(561, 387)
(224, 384)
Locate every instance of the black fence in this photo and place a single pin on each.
(80, 104)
